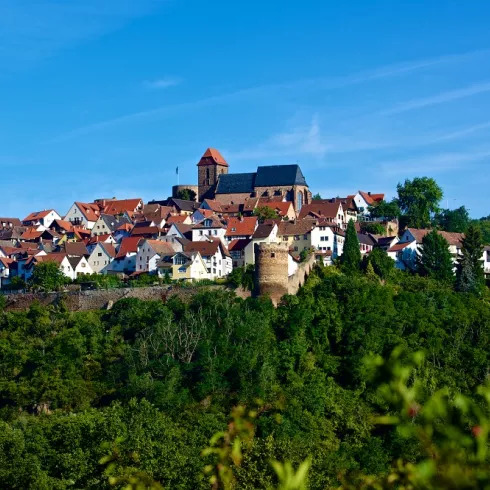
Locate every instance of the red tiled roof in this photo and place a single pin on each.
(299, 227)
(213, 205)
(128, 245)
(320, 208)
(99, 238)
(211, 155)
(38, 215)
(177, 219)
(90, 211)
(281, 208)
(453, 239)
(205, 248)
(6, 262)
(31, 234)
(121, 206)
(241, 226)
(125, 227)
(76, 249)
(371, 198)
(109, 248)
(399, 246)
(215, 223)
(65, 225)
(146, 230)
(161, 248)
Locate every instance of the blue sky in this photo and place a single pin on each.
(106, 98)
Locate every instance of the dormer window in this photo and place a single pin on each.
(233, 229)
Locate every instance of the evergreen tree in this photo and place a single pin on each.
(435, 260)
(351, 258)
(470, 274)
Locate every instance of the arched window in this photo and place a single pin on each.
(207, 176)
(300, 200)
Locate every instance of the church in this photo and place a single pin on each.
(276, 182)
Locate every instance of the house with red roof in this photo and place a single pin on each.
(101, 258)
(215, 255)
(125, 259)
(83, 214)
(240, 228)
(43, 219)
(363, 200)
(150, 253)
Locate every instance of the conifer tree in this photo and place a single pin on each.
(351, 258)
(470, 274)
(435, 260)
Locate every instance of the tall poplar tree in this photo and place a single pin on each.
(351, 257)
(470, 274)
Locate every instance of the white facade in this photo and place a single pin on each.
(100, 259)
(149, 255)
(405, 255)
(199, 234)
(75, 215)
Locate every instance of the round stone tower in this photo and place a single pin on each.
(271, 270)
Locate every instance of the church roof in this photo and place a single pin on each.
(275, 175)
(236, 183)
(212, 156)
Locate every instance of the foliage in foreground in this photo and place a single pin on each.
(159, 380)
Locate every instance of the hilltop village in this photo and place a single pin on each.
(204, 231)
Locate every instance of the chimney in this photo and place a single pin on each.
(369, 193)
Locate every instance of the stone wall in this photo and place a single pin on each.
(182, 187)
(298, 279)
(99, 299)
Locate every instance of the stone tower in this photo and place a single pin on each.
(271, 270)
(210, 167)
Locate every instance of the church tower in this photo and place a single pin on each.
(210, 167)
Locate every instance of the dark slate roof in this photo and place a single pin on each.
(236, 183)
(279, 175)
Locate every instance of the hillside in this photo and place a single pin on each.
(152, 382)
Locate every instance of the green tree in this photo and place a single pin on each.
(265, 212)
(453, 220)
(186, 195)
(317, 197)
(373, 227)
(385, 210)
(418, 200)
(470, 274)
(48, 276)
(351, 256)
(435, 259)
(484, 225)
(383, 265)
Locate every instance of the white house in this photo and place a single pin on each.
(101, 257)
(79, 265)
(404, 254)
(83, 214)
(41, 218)
(125, 260)
(215, 255)
(4, 271)
(150, 253)
(240, 228)
(108, 224)
(486, 260)
(209, 228)
(363, 200)
(330, 211)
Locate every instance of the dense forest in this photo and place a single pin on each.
(142, 388)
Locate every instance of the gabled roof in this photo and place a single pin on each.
(399, 246)
(453, 239)
(236, 183)
(112, 222)
(371, 198)
(10, 222)
(76, 249)
(6, 262)
(31, 234)
(299, 227)
(274, 175)
(75, 261)
(108, 248)
(62, 224)
(146, 231)
(212, 156)
(161, 248)
(90, 211)
(365, 239)
(120, 206)
(182, 205)
(38, 215)
(213, 222)
(206, 248)
(128, 245)
(281, 208)
(320, 209)
(177, 219)
(236, 245)
(241, 226)
(264, 230)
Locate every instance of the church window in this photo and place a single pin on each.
(300, 200)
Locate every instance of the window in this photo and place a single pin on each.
(296, 237)
(300, 201)
(273, 255)
(322, 238)
(99, 254)
(233, 229)
(295, 249)
(200, 233)
(215, 232)
(179, 260)
(182, 270)
(214, 271)
(284, 238)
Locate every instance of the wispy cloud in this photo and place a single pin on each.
(301, 140)
(35, 29)
(438, 99)
(463, 132)
(162, 83)
(437, 163)
(320, 83)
